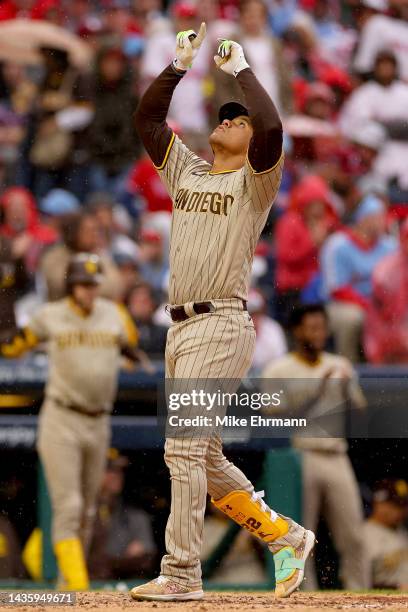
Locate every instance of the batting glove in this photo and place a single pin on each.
(188, 44)
(230, 57)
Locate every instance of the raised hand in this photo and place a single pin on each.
(188, 44)
(230, 57)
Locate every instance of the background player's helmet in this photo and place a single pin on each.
(84, 269)
(230, 110)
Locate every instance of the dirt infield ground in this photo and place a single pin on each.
(245, 602)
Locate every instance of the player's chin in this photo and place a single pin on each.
(216, 137)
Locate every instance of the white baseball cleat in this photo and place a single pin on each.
(164, 589)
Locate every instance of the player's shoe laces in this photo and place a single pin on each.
(164, 589)
(290, 565)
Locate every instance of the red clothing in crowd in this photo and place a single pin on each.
(145, 181)
(10, 9)
(386, 328)
(41, 234)
(297, 254)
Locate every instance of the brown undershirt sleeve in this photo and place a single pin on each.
(265, 148)
(152, 112)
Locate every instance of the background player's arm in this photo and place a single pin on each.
(18, 341)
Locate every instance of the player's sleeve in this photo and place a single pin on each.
(264, 163)
(150, 116)
(265, 148)
(129, 335)
(262, 187)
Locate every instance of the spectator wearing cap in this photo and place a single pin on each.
(270, 338)
(383, 32)
(80, 233)
(386, 537)
(122, 544)
(348, 259)
(384, 100)
(386, 328)
(153, 266)
(113, 142)
(142, 304)
(300, 233)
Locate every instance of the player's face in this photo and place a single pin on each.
(85, 296)
(313, 331)
(233, 135)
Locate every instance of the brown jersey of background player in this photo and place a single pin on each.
(218, 214)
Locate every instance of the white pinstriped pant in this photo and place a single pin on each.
(218, 345)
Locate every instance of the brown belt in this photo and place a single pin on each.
(80, 409)
(178, 314)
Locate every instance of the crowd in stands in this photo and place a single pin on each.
(74, 176)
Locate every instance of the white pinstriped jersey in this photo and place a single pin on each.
(217, 221)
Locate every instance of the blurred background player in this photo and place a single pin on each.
(86, 336)
(386, 536)
(322, 382)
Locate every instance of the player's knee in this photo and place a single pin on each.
(217, 461)
(67, 517)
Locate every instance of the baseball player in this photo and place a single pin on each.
(86, 336)
(219, 211)
(323, 381)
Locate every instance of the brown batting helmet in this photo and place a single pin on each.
(84, 269)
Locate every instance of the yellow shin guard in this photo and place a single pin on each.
(71, 563)
(242, 509)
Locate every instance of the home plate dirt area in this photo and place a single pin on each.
(226, 601)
